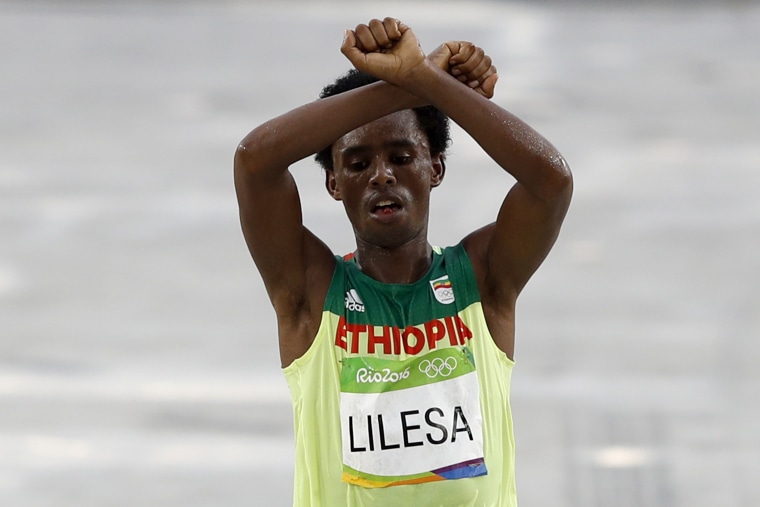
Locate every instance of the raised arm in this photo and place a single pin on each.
(506, 253)
(296, 267)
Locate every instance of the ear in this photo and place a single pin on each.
(331, 185)
(439, 170)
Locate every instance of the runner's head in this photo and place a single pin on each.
(384, 171)
(430, 120)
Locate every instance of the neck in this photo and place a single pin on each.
(405, 264)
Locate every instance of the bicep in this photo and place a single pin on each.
(509, 251)
(293, 263)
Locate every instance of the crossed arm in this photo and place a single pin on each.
(296, 267)
(505, 254)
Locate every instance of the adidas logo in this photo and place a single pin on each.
(353, 301)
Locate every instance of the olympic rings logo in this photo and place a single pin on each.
(443, 367)
(445, 293)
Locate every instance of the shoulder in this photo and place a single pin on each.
(476, 245)
(497, 296)
(298, 300)
(495, 291)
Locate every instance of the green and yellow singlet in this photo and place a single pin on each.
(403, 398)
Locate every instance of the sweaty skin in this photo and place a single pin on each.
(383, 173)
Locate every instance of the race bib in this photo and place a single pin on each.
(412, 421)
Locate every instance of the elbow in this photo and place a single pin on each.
(558, 182)
(248, 155)
(564, 175)
(243, 156)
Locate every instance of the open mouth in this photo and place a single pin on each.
(386, 208)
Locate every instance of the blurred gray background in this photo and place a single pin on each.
(138, 358)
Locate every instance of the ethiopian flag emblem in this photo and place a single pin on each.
(442, 290)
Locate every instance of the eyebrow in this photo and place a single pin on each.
(363, 148)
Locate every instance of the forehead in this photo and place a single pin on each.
(395, 128)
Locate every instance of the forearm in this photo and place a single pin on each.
(509, 141)
(304, 131)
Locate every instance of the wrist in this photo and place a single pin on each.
(425, 78)
(400, 96)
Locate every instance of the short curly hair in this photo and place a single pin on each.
(431, 120)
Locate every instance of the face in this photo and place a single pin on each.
(383, 173)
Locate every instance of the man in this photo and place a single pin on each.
(399, 356)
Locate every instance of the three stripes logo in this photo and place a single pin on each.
(353, 302)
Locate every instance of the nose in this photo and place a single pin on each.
(382, 174)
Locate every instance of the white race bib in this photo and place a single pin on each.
(413, 421)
